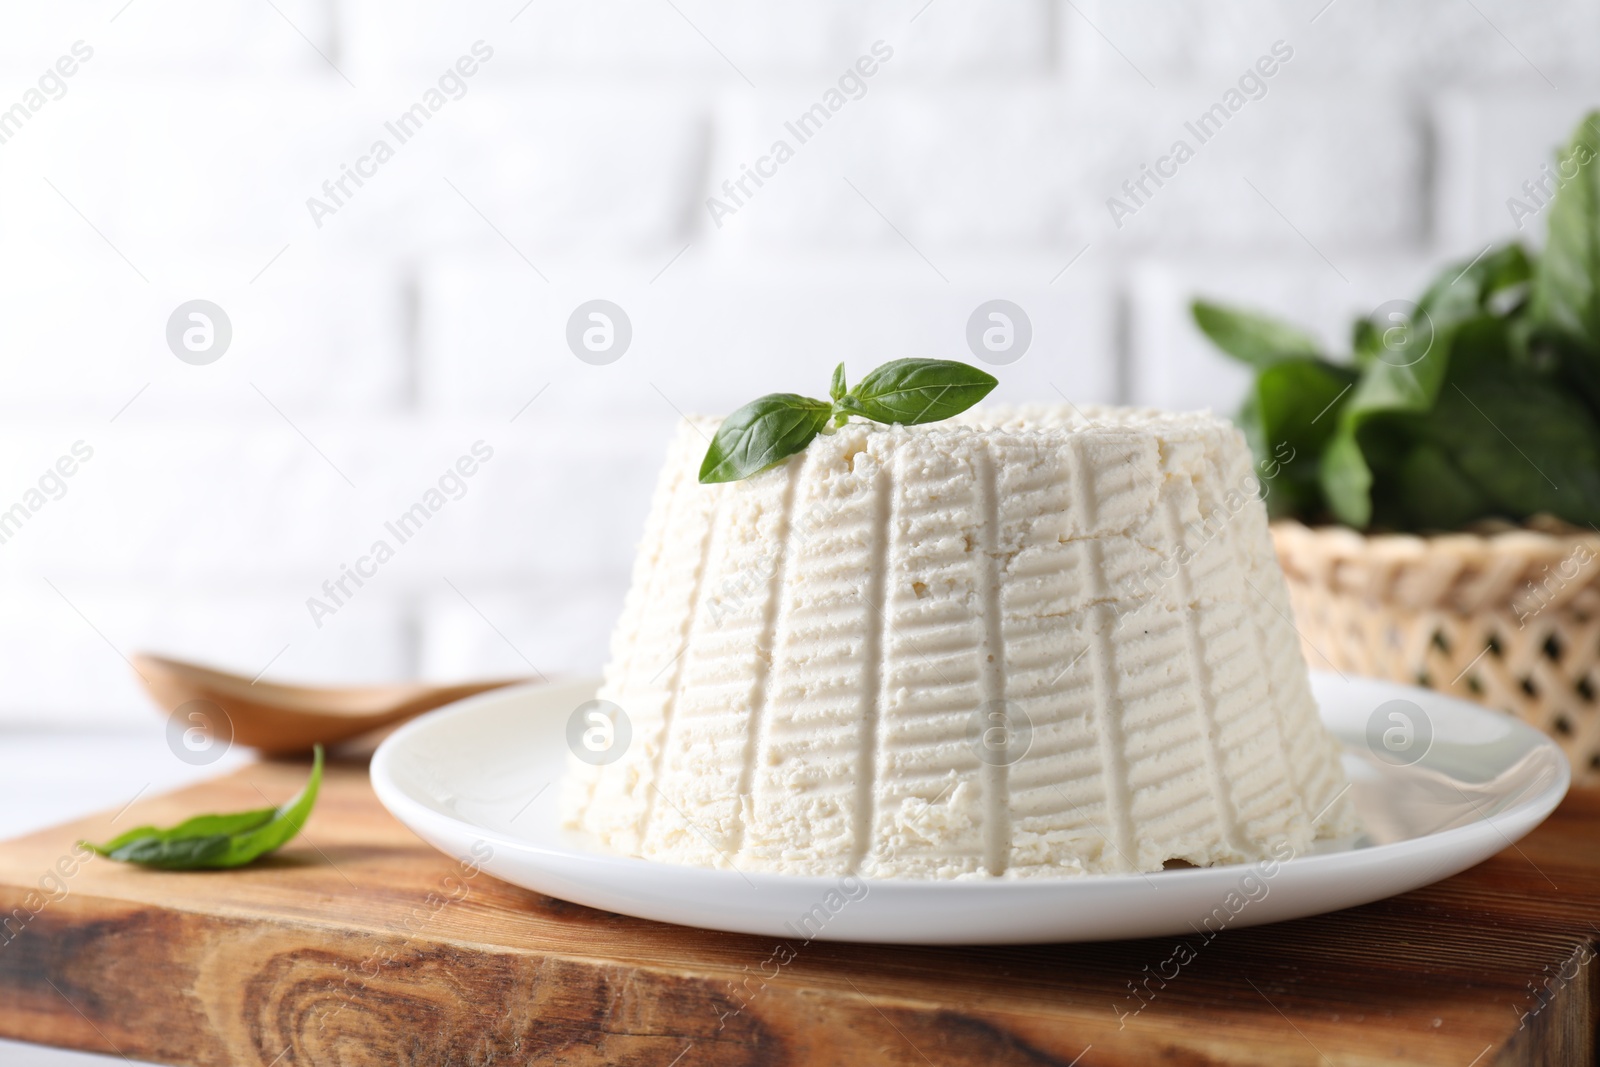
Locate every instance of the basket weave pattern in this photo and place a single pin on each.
(1507, 616)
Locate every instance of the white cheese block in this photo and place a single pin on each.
(1024, 642)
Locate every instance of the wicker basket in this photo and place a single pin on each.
(1507, 616)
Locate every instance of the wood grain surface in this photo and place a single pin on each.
(360, 945)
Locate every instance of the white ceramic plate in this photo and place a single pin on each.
(483, 775)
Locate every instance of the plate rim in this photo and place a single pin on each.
(1536, 808)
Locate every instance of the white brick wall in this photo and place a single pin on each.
(1415, 46)
(206, 40)
(1492, 145)
(430, 308)
(720, 42)
(711, 333)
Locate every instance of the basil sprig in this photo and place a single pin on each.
(770, 429)
(214, 842)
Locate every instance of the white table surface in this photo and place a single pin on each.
(48, 778)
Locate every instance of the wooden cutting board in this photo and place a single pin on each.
(360, 945)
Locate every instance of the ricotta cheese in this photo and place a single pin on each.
(1037, 641)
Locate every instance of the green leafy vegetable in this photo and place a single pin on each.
(1565, 308)
(1295, 403)
(218, 841)
(1480, 399)
(770, 429)
(916, 391)
(1566, 296)
(1251, 337)
(762, 434)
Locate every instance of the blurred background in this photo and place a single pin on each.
(373, 313)
(360, 334)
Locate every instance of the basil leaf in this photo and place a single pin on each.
(769, 430)
(1293, 410)
(175, 854)
(1465, 291)
(1405, 381)
(1566, 291)
(1564, 319)
(1460, 293)
(1346, 480)
(1384, 389)
(915, 391)
(1524, 442)
(1479, 434)
(199, 826)
(762, 434)
(218, 841)
(1250, 337)
(1365, 340)
(1430, 492)
(1299, 402)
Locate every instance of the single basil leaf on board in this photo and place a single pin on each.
(175, 854)
(1250, 337)
(915, 391)
(198, 827)
(762, 434)
(214, 842)
(289, 821)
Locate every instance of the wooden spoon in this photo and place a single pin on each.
(280, 719)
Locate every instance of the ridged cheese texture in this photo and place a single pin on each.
(1040, 641)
